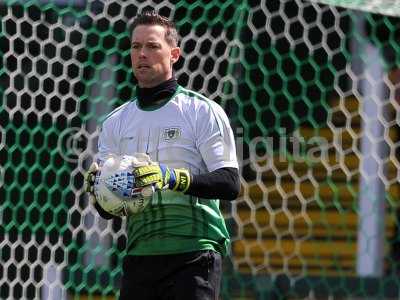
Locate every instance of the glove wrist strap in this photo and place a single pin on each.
(182, 180)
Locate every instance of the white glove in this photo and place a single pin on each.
(142, 160)
(90, 177)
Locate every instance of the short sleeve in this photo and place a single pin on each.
(214, 137)
(107, 143)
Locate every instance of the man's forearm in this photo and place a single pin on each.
(221, 184)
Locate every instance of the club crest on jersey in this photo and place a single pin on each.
(171, 133)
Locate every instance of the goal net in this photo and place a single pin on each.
(311, 90)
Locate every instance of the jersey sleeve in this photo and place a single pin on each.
(107, 143)
(215, 139)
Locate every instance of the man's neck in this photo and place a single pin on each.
(158, 94)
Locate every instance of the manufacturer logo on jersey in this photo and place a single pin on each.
(127, 138)
(171, 133)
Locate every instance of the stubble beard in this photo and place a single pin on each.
(149, 80)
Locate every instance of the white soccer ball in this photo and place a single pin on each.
(115, 189)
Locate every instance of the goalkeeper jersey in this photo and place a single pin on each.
(189, 131)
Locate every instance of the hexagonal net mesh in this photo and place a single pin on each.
(311, 91)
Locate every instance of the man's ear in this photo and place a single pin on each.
(175, 54)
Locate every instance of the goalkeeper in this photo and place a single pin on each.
(175, 244)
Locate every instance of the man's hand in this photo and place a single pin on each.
(90, 178)
(162, 177)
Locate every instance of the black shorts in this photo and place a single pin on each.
(192, 275)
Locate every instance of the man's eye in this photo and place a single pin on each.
(135, 46)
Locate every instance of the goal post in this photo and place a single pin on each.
(312, 92)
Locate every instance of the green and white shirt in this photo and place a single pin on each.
(189, 131)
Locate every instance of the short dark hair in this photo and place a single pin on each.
(150, 17)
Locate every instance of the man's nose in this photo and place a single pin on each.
(142, 53)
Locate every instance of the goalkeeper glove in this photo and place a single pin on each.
(90, 178)
(161, 177)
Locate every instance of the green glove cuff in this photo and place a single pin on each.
(182, 180)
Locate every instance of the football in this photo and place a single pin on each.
(115, 189)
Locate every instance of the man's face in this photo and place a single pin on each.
(152, 57)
